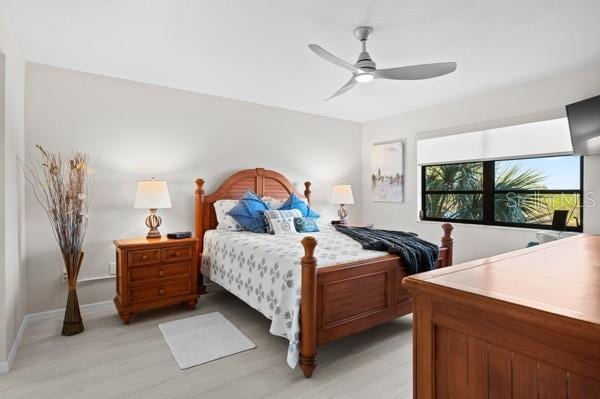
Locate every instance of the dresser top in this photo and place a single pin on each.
(560, 278)
(144, 242)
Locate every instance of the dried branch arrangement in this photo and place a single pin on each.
(61, 185)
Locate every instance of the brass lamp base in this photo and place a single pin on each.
(153, 222)
(343, 214)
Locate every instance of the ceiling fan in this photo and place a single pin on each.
(364, 69)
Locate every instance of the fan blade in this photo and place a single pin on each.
(416, 72)
(327, 56)
(349, 84)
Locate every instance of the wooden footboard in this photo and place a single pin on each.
(342, 300)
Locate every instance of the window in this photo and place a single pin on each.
(517, 192)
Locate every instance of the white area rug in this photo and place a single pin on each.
(201, 339)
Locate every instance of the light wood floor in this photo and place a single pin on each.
(110, 360)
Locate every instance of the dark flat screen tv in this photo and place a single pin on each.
(584, 123)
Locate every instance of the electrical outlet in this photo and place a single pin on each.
(112, 268)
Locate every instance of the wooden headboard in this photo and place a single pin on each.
(264, 182)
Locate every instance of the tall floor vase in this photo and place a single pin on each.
(72, 324)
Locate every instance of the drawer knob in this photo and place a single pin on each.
(144, 257)
(161, 291)
(161, 273)
(177, 253)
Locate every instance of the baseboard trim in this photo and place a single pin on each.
(6, 365)
(32, 318)
(58, 313)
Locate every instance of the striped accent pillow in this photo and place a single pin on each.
(271, 217)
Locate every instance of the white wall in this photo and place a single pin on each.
(534, 101)
(137, 131)
(12, 217)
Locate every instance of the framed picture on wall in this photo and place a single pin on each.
(387, 171)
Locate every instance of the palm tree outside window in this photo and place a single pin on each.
(514, 192)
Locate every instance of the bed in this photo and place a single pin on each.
(313, 296)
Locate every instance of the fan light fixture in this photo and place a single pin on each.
(365, 69)
(364, 78)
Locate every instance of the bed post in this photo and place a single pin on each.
(448, 242)
(307, 191)
(308, 308)
(199, 229)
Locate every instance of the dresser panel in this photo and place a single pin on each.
(143, 257)
(173, 254)
(159, 291)
(149, 274)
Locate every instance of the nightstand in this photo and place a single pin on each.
(155, 272)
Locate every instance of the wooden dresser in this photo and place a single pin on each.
(525, 324)
(155, 272)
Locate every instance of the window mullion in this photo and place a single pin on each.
(488, 191)
(423, 213)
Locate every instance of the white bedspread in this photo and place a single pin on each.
(264, 271)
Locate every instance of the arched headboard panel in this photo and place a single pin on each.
(263, 182)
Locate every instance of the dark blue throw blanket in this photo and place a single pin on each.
(417, 255)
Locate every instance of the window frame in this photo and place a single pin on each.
(488, 193)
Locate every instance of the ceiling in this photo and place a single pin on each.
(257, 50)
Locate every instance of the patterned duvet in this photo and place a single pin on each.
(264, 271)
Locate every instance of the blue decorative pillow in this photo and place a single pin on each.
(295, 202)
(249, 212)
(306, 225)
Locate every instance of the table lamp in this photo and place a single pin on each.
(152, 194)
(342, 195)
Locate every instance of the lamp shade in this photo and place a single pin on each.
(152, 194)
(342, 194)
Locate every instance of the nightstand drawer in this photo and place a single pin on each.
(159, 291)
(143, 257)
(141, 275)
(177, 253)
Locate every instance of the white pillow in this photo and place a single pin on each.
(276, 222)
(274, 203)
(283, 226)
(224, 221)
